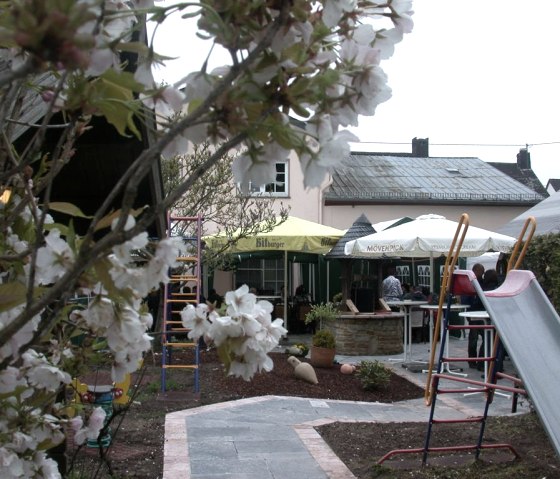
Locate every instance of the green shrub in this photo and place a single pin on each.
(543, 259)
(324, 339)
(373, 375)
(322, 313)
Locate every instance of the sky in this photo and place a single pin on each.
(473, 74)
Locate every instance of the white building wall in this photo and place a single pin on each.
(305, 203)
(487, 217)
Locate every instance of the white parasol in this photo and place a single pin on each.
(428, 236)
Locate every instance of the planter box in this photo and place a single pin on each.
(322, 357)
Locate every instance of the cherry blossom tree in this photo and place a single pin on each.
(316, 60)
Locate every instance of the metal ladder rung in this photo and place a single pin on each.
(179, 366)
(481, 384)
(186, 303)
(448, 359)
(474, 447)
(462, 390)
(179, 345)
(453, 421)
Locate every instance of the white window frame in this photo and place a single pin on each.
(270, 189)
(403, 272)
(268, 274)
(423, 275)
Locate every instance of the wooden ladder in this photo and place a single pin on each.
(183, 288)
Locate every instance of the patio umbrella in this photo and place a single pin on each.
(385, 225)
(294, 235)
(428, 236)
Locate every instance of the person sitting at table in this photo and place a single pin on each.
(392, 289)
(418, 317)
(406, 289)
(302, 296)
(416, 294)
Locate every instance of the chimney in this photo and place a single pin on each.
(420, 147)
(524, 159)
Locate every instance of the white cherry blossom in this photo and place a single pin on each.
(333, 10)
(41, 374)
(223, 328)
(11, 379)
(197, 319)
(178, 146)
(54, 259)
(257, 166)
(91, 432)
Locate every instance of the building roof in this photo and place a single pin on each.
(360, 227)
(102, 156)
(372, 178)
(547, 216)
(554, 183)
(523, 175)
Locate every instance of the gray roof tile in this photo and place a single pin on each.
(525, 176)
(361, 227)
(370, 177)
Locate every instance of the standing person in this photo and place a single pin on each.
(475, 305)
(491, 280)
(392, 290)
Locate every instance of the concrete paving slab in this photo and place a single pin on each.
(274, 437)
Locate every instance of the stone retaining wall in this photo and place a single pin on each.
(368, 335)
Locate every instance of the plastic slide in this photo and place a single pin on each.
(529, 328)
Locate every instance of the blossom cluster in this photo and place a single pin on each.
(314, 60)
(114, 314)
(244, 335)
(329, 53)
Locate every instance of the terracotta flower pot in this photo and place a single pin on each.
(322, 357)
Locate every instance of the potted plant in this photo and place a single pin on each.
(321, 314)
(337, 301)
(323, 342)
(323, 349)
